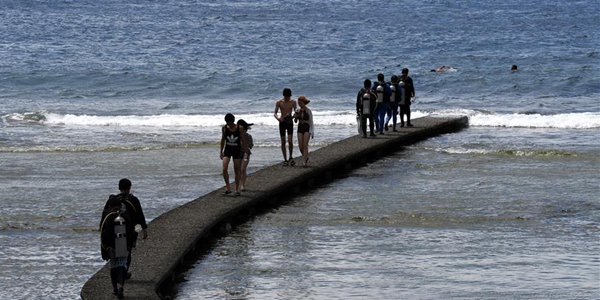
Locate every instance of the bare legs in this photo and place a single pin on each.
(243, 173)
(226, 173)
(237, 166)
(290, 144)
(303, 139)
(283, 150)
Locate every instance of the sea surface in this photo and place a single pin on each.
(509, 208)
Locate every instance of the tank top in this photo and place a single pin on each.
(232, 139)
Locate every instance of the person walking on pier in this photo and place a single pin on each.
(114, 250)
(286, 106)
(132, 205)
(245, 155)
(126, 211)
(233, 144)
(306, 127)
(395, 100)
(365, 107)
(383, 91)
(408, 90)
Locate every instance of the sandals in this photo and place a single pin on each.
(229, 192)
(290, 162)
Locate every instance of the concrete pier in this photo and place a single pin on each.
(176, 233)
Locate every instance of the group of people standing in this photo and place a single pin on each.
(287, 113)
(379, 102)
(236, 145)
(236, 142)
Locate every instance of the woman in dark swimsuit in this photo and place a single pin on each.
(306, 128)
(232, 143)
(244, 127)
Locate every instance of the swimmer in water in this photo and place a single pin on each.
(443, 69)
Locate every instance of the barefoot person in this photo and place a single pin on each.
(306, 128)
(283, 113)
(245, 155)
(233, 144)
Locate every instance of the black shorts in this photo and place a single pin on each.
(233, 152)
(285, 127)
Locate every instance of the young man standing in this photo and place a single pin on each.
(384, 92)
(284, 108)
(395, 101)
(366, 103)
(233, 145)
(408, 93)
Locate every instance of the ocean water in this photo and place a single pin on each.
(94, 91)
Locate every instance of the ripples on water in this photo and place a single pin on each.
(190, 52)
(422, 225)
(42, 263)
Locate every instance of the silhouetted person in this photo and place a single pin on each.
(366, 103)
(408, 93)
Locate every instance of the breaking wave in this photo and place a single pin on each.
(585, 120)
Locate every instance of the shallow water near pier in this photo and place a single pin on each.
(424, 223)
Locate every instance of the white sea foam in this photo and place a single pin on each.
(169, 120)
(165, 120)
(566, 121)
(515, 152)
(585, 120)
(462, 150)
